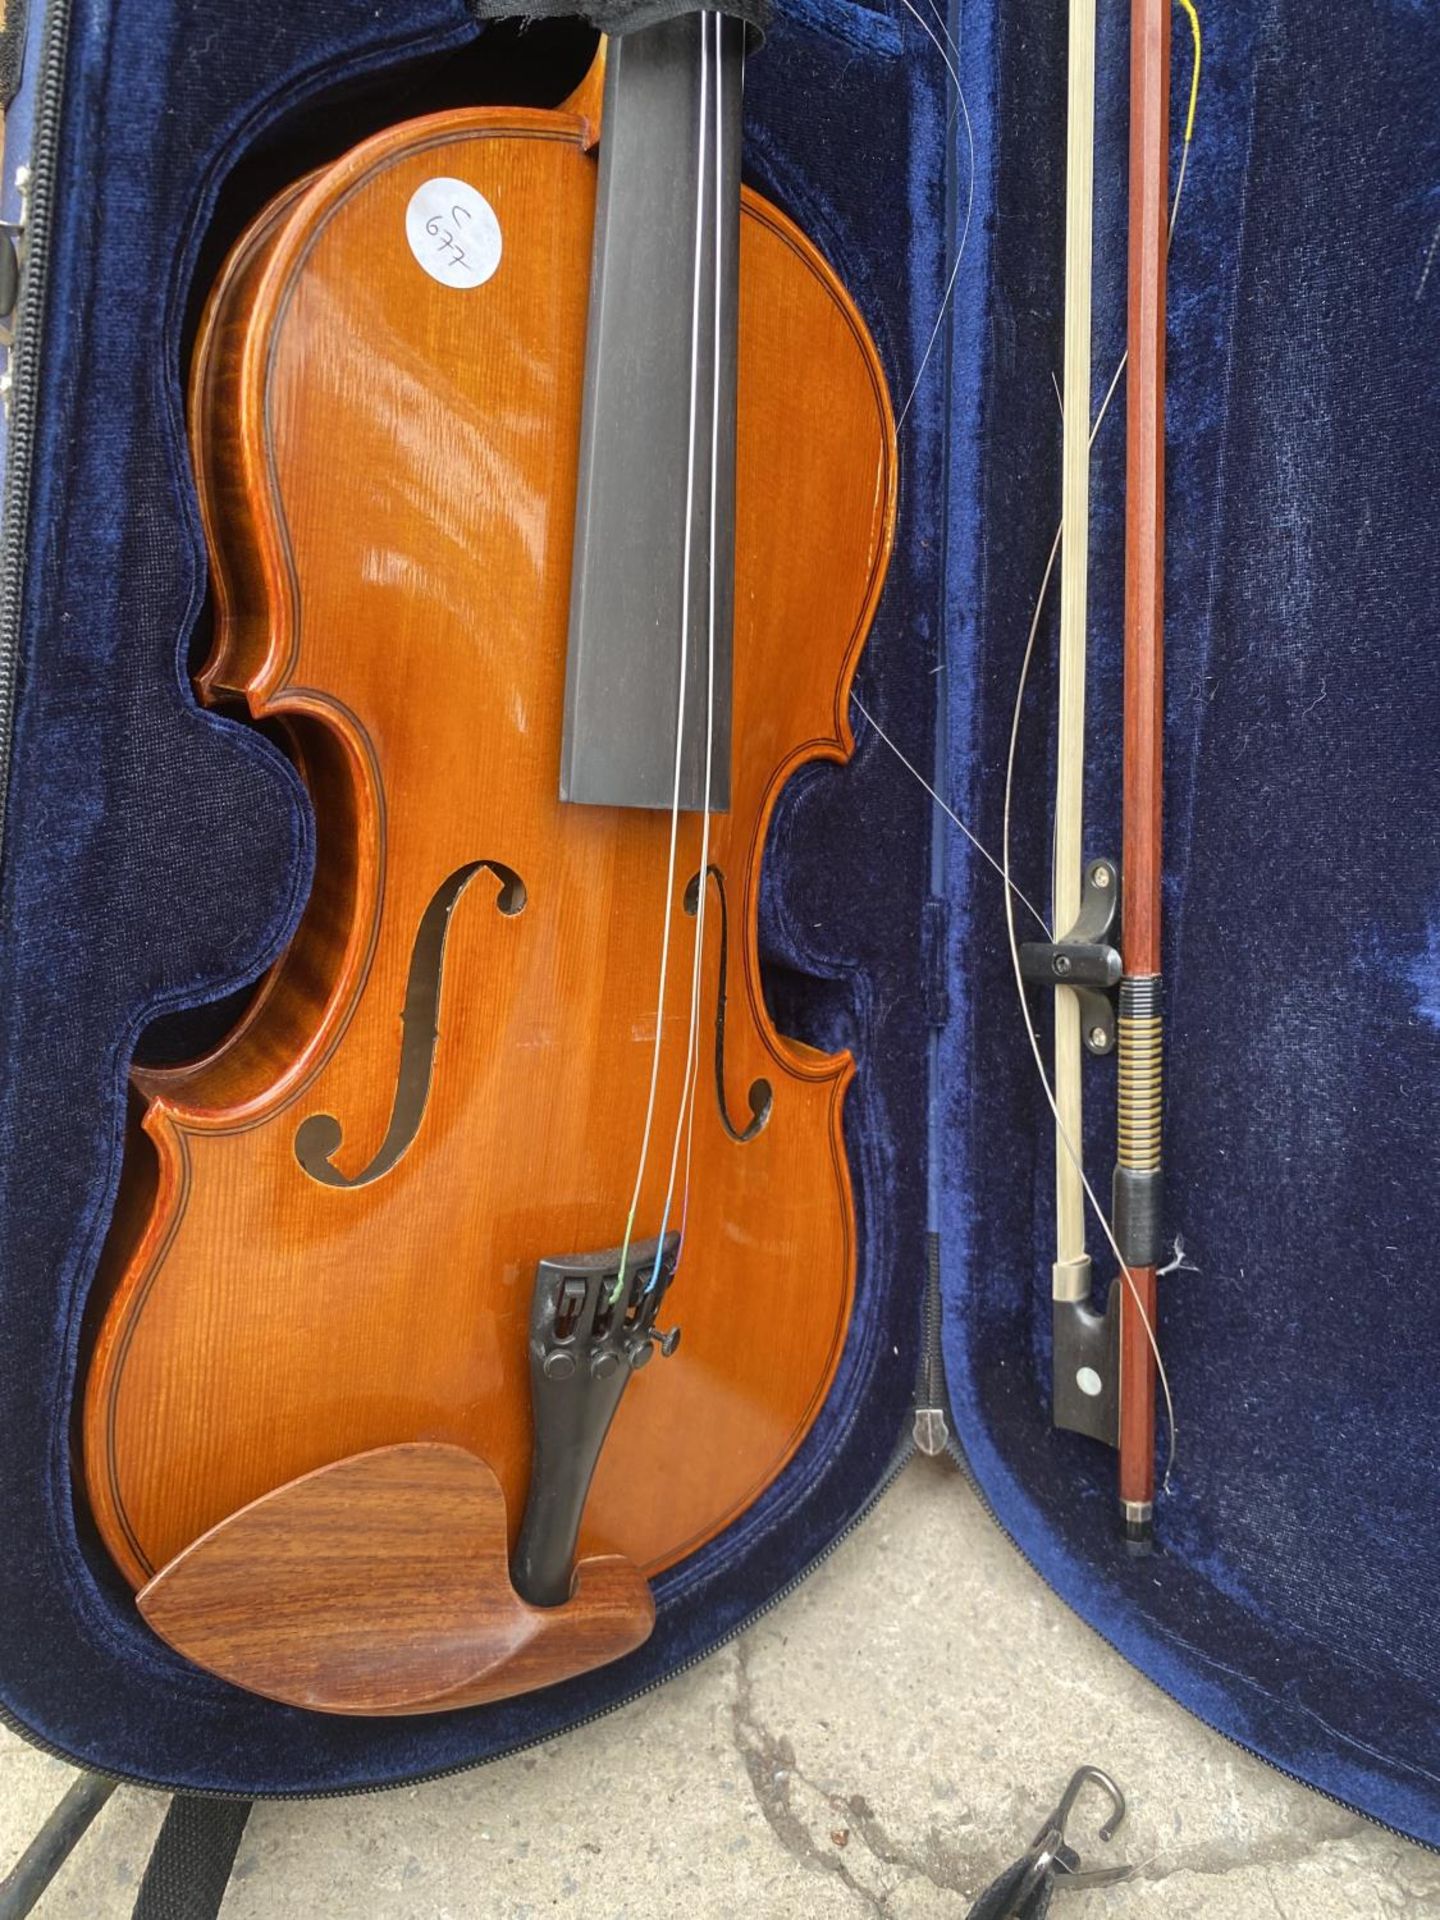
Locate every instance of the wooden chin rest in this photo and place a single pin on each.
(381, 1585)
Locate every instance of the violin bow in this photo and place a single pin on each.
(1078, 960)
(1106, 1361)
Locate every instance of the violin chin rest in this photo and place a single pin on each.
(381, 1585)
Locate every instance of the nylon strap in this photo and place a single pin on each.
(190, 1864)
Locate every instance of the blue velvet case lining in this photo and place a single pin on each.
(1292, 1604)
(156, 855)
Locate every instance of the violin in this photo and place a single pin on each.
(548, 479)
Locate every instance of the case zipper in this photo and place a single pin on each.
(24, 369)
(901, 1459)
(932, 1402)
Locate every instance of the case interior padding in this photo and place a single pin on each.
(156, 856)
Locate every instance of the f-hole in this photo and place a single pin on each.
(320, 1137)
(761, 1096)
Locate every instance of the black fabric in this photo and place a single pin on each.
(189, 1868)
(625, 16)
(12, 48)
(997, 1901)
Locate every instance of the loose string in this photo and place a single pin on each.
(685, 1124)
(950, 55)
(951, 59)
(948, 49)
(710, 690)
(619, 1288)
(950, 813)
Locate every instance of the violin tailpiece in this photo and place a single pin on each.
(592, 1324)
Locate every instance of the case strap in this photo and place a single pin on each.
(23, 1885)
(190, 1863)
(189, 1866)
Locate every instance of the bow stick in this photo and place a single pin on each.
(1137, 1169)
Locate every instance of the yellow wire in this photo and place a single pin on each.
(1193, 17)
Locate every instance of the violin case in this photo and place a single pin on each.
(156, 855)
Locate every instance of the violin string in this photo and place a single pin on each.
(691, 1077)
(618, 1291)
(950, 813)
(685, 1120)
(949, 51)
(710, 691)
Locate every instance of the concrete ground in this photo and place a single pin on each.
(881, 1744)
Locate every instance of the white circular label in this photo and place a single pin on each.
(1089, 1381)
(453, 233)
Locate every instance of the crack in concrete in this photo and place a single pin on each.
(1283, 1854)
(769, 1760)
(945, 1868)
(770, 1764)
(1285, 1848)
(1406, 1901)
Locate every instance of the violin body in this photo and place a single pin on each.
(329, 1230)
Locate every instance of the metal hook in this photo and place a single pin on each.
(1051, 1852)
(1079, 1780)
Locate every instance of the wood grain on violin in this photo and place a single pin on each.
(334, 1221)
(379, 1585)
